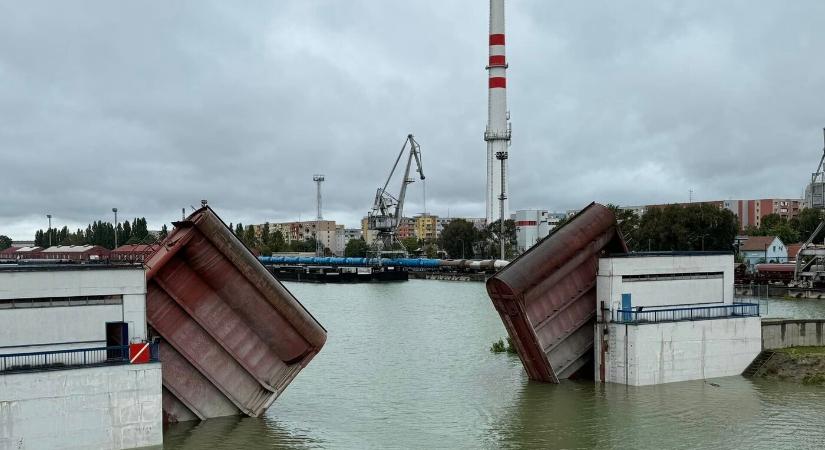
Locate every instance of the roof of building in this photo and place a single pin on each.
(793, 249)
(29, 249)
(754, 243)
(8, 250)
(669, 254)
(72, 248)
(65, 267)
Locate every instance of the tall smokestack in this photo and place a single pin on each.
(497, 134)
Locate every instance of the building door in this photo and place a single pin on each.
(626, 307)
(117, 335)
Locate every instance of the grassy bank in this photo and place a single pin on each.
(804, 365)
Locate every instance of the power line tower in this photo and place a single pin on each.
(319, 246)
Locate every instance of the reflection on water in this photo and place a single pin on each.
(408, 365)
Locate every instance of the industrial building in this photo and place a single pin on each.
(532, 225)
(15, 253)
(65, 372)
(75, 253)
(671, 317)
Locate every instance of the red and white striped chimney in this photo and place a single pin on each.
(498, 130)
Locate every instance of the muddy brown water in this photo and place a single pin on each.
(407, 365)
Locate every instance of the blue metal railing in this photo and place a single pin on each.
(641, 315)
(70, 359)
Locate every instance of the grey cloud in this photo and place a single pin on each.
(153, 107)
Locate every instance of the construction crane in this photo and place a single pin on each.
(388, 210)
(810, 259)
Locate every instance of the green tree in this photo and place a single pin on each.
(265, 236)
(685, 228)
(278, 243)
(411, 243)
(491, 244)
(628, 223)
(770, 221)
(249, 237)
(125, 234)
(356, 248)
(458, 238)
(807, 221)
(164, 232)
(5, 242)
(239, 231)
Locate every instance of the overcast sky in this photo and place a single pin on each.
(151, 108)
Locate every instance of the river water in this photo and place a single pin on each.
(407, 365)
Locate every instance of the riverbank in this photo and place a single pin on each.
(804, 365)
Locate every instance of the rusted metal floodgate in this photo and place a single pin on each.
(547, 296)
(233, 337)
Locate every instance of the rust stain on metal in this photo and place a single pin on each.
(233, 336)
(547, 296)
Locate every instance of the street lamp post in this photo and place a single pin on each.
(114, 210)
(49, 216)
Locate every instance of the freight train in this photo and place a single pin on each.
(771, 273)
(441, 265)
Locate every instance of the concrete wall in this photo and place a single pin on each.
(677, 351)
(101, 407)
(56, 327)
(71, 283)
(782, 333)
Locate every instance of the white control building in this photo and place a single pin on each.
(66, 372)
(666, 317)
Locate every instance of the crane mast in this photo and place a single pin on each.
(387, 210)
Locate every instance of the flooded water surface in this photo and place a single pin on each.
(407, 365)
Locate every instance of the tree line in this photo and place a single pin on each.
(99, 233)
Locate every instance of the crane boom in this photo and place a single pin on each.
(388, 210)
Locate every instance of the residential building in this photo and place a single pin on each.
(406, 228)
(668, 317)
(323, 230)
(762, 249)
(343, 236)
(749, 212)
(793, 250)
(425, 227)
(71, 338)
(368, 235)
